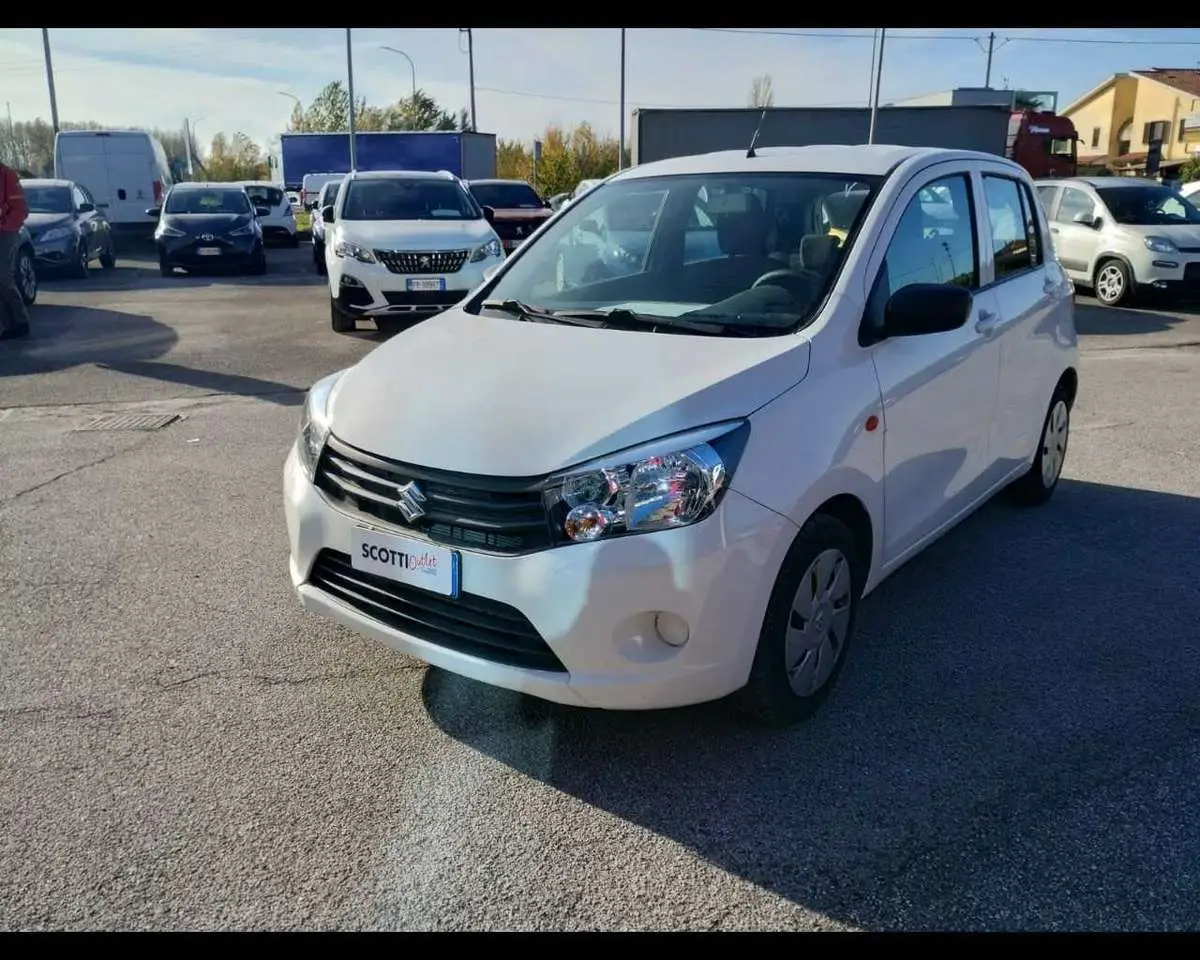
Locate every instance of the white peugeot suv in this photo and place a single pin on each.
(400, 246)
(676, 480)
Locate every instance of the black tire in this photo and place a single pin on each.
(293, 241)
(339, 321)
(1037, 485)
(1112, 283)
(108, 259)
(26, 276)
(259, 265)
(769, 695)
(319, 259)
(81, 267)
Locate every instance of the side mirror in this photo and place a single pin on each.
(327, 214)
(311, 205)
(1086, 219)
(155, 212)
(923, 308)
(489, 214)
(262, 211)
(85, 208)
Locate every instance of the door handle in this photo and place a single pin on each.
(986, 324)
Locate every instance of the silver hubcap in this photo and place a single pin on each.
(819, 624)
(1110, 284)
(1054, 443)
(28, 277)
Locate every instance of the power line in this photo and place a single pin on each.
(945, 36)
(663, 106)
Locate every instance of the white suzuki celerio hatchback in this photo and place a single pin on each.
(676, 475)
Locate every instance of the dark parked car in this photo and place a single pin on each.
(519, 211)
(23, 268)
(67, 230)
(209, 225)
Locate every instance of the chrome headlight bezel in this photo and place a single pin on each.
(1161, 245)
(673, 482)
(344, 248)
(487, 251)
(314, 422)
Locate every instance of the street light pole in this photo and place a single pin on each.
(412, 66)
(471, 68)
(292, 96)
(350, 90)
(621, 143)
(50, 78)
(878, 80)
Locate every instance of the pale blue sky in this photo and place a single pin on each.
(232, 79)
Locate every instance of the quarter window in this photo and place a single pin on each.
(1013, 249)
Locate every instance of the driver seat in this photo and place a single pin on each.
(742, 236)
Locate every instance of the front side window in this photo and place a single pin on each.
(755, 250)
(187, 202)
(1147, 206)
(407, 198)
(1076, 207)
(935, 239)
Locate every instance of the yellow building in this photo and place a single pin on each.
(1117, 120)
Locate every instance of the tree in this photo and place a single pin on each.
(762, 91)
(567, 158)
(236, 158)
(329, 112)
(1190, 170)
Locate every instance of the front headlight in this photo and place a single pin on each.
(671, 483)
(245, 231)
(314, 422)
(54, 233)
(344, 248)
(1160, 245)
(489, 249)
(165, 231)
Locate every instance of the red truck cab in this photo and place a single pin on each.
(1043, 143)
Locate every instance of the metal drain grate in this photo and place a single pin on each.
(132, 421)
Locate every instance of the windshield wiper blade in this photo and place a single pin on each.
(525, 311)
(620, 317)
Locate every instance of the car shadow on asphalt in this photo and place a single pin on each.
(61, 337)
(210, 381)
(1091, 319)
(1017, 668)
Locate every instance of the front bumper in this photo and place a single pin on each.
(1171, 272)
(185, 251)
(372, 290)
(593, 605)
(56, 254)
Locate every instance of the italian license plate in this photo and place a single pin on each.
(431, 283)
(411, 562)
(209, 251)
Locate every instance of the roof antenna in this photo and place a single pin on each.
(750, 154)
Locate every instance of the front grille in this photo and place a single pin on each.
(516, 229)
(433, 261)
(472, 625)
(423, 298)
(495, 514)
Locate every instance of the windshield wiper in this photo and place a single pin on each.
(621, 317)
(534, 314)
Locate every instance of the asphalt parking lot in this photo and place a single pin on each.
(1014, 744)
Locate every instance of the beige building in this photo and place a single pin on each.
(1117, 120)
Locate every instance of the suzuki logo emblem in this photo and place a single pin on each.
(409, 499)
(207, 237)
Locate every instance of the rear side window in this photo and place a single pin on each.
(265, 196)
(1014, 246)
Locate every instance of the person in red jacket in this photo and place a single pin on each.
(14, 318)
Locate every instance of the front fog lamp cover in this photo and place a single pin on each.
(650, 493)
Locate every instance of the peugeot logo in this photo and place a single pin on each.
(409, 499)
(425, 263)
(207, 237)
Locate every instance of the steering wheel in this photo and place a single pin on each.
(789, 280)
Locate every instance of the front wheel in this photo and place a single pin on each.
(340, 322)
(319, 259)
(81, 267)
(1113, 284)
(258, 266)
(26, 275)
(808, 626)
(1038, 484)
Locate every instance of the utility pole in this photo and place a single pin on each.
(987, 77)
(187, 146)
(411, 66)
(471, 69)
(621, 144)
(874, 54)
(878, 81)
(50, 78)
(350, 90)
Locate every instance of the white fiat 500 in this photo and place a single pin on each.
(665, 483)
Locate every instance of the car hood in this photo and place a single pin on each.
(39, 222)
(415, 234)
(502, 397)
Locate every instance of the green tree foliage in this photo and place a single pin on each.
(329, 112)
(567, 158)
(235, 158)
(1190, 170)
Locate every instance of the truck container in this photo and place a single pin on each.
(465, 154)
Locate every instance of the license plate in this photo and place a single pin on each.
(434, 283)
(411, 562)
(512, 244)
(209, 251)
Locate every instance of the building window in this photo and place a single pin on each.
(1156, 130)
(1125, 138)
(1095, 136)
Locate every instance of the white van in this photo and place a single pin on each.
(125, 170)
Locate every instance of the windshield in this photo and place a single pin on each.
(407, 199)
(1062, 148)
(1148, 206)
(506, 196)
(696, 248)
(264, 196)
(184, 202)
(49, 199)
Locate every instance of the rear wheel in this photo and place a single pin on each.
(1038, 485)
(339, 321)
